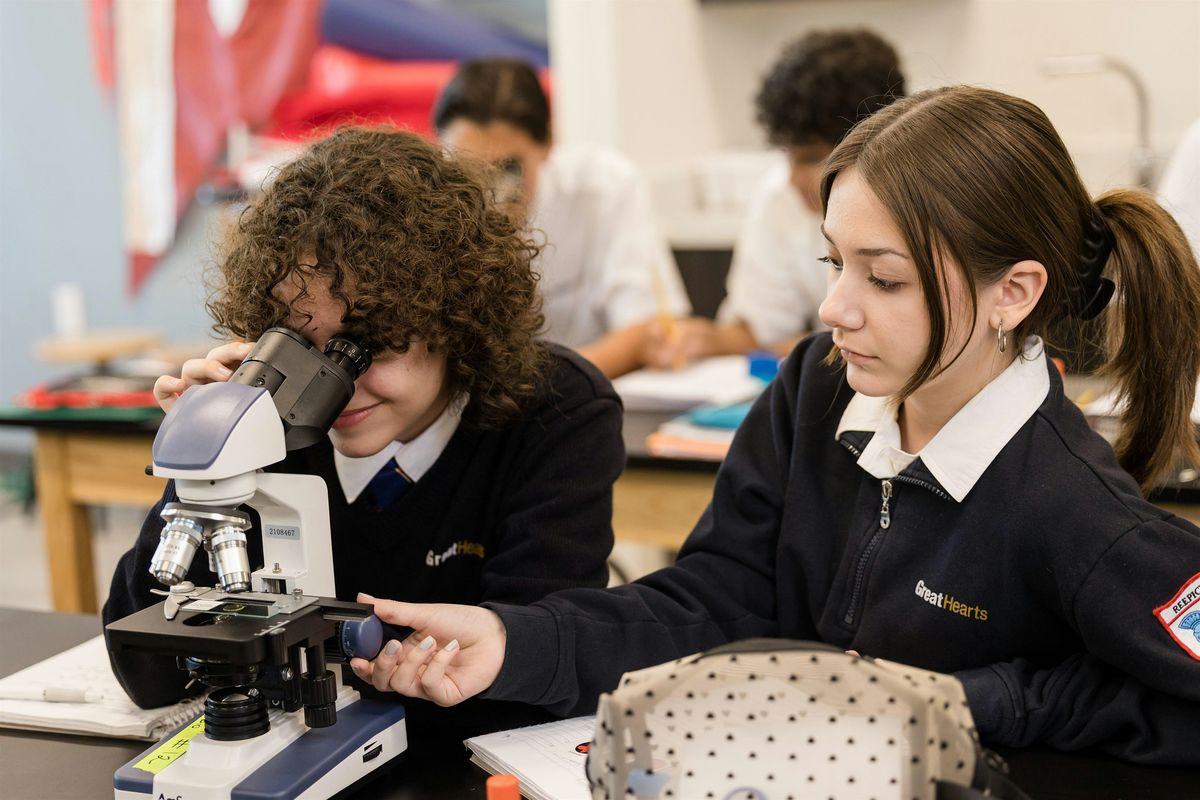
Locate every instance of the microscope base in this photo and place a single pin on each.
(289, 761)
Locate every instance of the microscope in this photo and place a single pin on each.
(278, 722)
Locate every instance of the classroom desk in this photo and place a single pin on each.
(44, 766)
(85, 457)
(98, 457)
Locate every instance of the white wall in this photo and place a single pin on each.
(995, 43)
(631, 75)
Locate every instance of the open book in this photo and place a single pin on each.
(548, 759)
(85, 669)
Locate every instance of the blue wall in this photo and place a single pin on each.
(60, 216)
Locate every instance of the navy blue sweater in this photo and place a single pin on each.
(1038, 590)
(509, 515)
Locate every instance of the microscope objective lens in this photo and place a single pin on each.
(228, 549)
(176, 548)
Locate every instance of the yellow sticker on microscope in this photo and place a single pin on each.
(165, 754)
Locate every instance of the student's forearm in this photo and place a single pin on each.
(1082, 703)
(619, 351)
(733, 339)
(782, 349)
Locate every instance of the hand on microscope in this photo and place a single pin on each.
(453, 653)
(218, 365)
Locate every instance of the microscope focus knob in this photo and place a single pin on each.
(320, 700)
(361, 638)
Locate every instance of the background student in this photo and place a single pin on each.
(820, 86)
(915, 485)
(605, 270)
(453, 473)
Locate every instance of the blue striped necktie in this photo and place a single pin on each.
(388, 485)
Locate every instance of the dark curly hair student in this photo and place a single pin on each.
(453, 474)
(411, 235)
(820, 85)
(825, 82)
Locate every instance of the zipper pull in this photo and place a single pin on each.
(885, 515)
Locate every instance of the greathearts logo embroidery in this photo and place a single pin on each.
(462, 548)
(950, 603)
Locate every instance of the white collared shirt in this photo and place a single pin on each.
(414, 458)
(775, 283)
(605, 263)
(970, 441)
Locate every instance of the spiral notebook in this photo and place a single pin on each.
(86, 668)
(548, 759)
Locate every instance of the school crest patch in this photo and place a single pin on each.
(1181, 616)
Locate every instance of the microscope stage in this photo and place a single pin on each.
(247, 628)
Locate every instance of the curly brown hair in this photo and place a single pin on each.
(412, 244)
(823, 83)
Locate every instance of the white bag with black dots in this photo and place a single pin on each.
(769, 719)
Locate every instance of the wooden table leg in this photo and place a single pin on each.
(659, 507)
(65, 527)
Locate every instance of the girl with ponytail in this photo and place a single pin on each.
(915, 485)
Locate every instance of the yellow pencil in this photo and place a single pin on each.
(665, 318)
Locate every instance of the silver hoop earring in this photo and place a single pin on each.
(1001, 337)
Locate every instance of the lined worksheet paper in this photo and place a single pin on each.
(547, 759)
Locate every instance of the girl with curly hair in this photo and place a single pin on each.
(455, 473)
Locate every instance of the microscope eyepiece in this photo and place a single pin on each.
(309, 387)
(349, 355)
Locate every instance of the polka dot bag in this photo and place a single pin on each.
(769, 719)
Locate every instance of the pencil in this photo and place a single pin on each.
(666, 319)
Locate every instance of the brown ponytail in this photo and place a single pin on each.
(1153, 334)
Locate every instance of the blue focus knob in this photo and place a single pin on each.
(362, 639)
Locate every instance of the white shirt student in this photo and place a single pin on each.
(775, 282)
(604, 263)
(1179, 188)
(818, 87)
(607, 274)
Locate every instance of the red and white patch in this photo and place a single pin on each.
(1181, 616)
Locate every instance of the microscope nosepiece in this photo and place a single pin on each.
(177, 547)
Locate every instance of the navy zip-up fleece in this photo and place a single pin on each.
(1038, 590)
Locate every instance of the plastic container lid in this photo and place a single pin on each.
(763, 364)
(503, 787)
